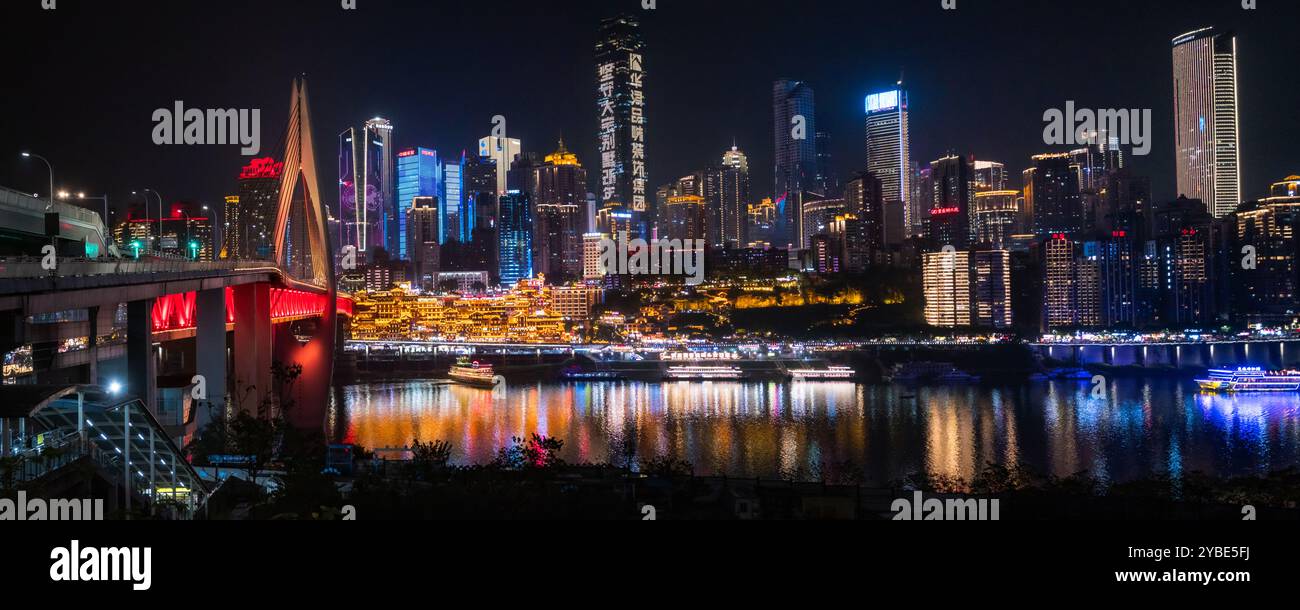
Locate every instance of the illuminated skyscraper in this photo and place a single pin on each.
(259, 196)
(1269, 290)
(366, 187)
(864, 199)
(557, 245)
(456, 224)
(502, 152)
(418, 175)
(480, 176)
(995, 217)
(796, 156)
(1205, 119)
(683, 218)
(922, 200)
(949, 216)
(990, 286)
(1052, 196)
(828, 180)
(817, 216)
(967, 288)
(591, 243)
(621, 118)
(889, 153)
(515, 238)
(728, 221)
(422, 245)
(229, 228)
(946, 277)
(1061, 288)
(990, 176)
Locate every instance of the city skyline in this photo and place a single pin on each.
(933, 109)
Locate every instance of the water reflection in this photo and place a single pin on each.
(1139, 428)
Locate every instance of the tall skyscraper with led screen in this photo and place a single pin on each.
(889, 153)
(621, 118)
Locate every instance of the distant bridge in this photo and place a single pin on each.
(1270, 353)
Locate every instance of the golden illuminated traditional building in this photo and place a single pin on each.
(525, 314)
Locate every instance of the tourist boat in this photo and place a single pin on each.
(704, 373)
(478, 374)
(1251, 379)
(832, 373)
(577, 373)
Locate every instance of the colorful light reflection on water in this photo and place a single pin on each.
(1142, 427)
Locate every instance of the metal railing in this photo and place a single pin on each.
(33, 267)
(19, 199)
(30, 464)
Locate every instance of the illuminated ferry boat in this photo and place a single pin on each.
(830, 373)
(704, 373)
(478, 374)
(1251, 379)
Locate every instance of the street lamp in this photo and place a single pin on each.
(103, 198)
(160, 214)
(49, 167)
(187, 225)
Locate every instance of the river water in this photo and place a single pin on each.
(1142, 427)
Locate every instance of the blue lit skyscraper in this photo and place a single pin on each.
(515, 237)
(889, 154)
(418, 175)
(795, 125)
(451, 213)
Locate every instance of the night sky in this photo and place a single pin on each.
(82, 81)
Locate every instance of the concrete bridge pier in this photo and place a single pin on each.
(1127, 355)
(253, 344)
(210, 349)
(92, 345)
(1092, 354)
(309, 343)
(1288, 354)
(141, 370)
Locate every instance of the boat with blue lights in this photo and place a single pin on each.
(1250, 379)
